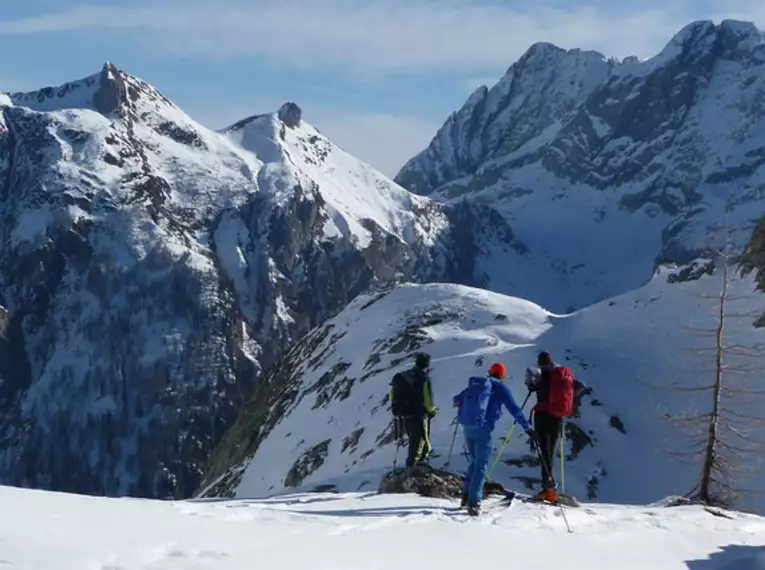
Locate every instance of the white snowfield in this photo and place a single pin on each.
(627, 349)
(50, 531)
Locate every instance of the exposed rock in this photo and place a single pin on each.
(352, 440)
(4, 322)
(290, 114)
(111, 92)
(431, 482)
(616, 423)
(692, 272)
(307, 463)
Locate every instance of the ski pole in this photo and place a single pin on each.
(507, 438)
(451, 447)
(562, 458)
(397, 435)
(547, 470)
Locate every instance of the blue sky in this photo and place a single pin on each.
(377, 76)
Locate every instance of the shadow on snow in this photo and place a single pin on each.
(732, 557)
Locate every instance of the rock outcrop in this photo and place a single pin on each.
(431, 482)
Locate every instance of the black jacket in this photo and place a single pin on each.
(411, 393)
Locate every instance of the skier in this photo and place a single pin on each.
(411, 397)
(556, 390)
(479, 407)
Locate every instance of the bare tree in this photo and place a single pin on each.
(727, 432)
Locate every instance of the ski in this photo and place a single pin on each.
(496, 503)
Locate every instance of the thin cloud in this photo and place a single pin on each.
(388, 36)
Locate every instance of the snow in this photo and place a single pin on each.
(571, 264)
(363, 530)
(31, 226)
(354, 191)
(231, 239)
(256, 155)
(72, 95)
(626, 349)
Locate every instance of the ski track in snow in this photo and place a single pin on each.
(52, 531)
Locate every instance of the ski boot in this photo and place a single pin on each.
(547, 495)
(474, 509)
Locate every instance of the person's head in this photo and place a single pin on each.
(544, 359)
(497, 370)
(422, 360)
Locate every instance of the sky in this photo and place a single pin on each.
(379, 77)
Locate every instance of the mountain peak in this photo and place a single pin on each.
(290, 114)
(109, 91)
(692, 30)
(740, 28)
(543, 53)
(731, 38)
(109, 69)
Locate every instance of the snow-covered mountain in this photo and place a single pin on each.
(359, 530)
(614, 176)
(322, 420)
(605, 168)
(151, 268)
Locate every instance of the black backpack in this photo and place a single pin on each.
(402, 392)
(580, 391)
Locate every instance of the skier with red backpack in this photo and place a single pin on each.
(558, 394)
(479, 407)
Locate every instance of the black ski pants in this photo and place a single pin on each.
(418, 433)
(548, 429)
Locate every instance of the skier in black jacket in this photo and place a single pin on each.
(411, 399)
(558, 397)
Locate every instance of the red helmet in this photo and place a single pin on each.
(498, 370)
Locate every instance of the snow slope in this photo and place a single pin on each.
(354, 191)
(351, 531)
(327, 419)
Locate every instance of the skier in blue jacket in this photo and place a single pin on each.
(480, 406)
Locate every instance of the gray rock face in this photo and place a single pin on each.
(542, 87)
(430, 482)
(111, 93)
(290, 114)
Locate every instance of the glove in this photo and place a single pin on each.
(533, 435)
(432, 414)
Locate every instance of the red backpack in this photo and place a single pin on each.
(561, 400)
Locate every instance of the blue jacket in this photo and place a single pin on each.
(500, 394)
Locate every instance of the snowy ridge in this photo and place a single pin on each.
(355, 192)
(349, 530)
(329, 425)
(497, 121)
